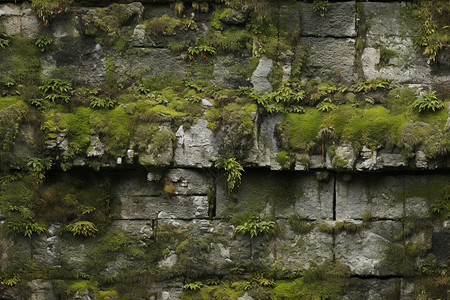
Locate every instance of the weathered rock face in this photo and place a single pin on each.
(132, 187)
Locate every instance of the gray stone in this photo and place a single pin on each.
(372, 289)
(385, 20)
(246, 296)
(365, 251)
(189, 182)
(421, 160)
(195, 146)
(177, 207)
(144, 62)
(229, 70)
(381, 195)
(339, 20)
(135, 184)
(385, 160)
(259, 77)
(207, 103)
(344, 152)
(287, 193)
(300, 250)
(235, 17)
(42, 290)
(409, 66)
(20, 20)
(139, 228)
(331, 59)
(265, 148)
(97, 148)
(388, 29)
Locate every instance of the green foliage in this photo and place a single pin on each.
(46, 10)
(233, 170)
(43, 42)
(4, 42)
(326, 105)
(321, 6)
(256, 227)
(299, 131)
(286, 99)
(192, 286)
(12, 281)
(370, 85)
(100, 102)
(82, 228)
(39, 166)
(285, 160)
(203, 51)
(428, 101)
(57, 90)
(433, 31)
(26, 226)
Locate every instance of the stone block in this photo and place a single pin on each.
(265, 193)
(178, 207)
(331, 59)
(380, 195)
(364, 252)
(339, 20)
(137, 184)
(299, 250)
(196, 146)
(391, 31)
(190, 182)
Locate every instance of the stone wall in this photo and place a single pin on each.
(364, 219)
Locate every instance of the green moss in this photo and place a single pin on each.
(114, 126)
(299, 132)
(399, 100)
(326, 281)
(385, 56)
(25, 64)
(284, 159)
(230, 40)
(80, 286)
(8, 101)
(299, 225)
(226, 290)
(111, 67)
(78, 130)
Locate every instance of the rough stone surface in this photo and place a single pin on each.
(286, 194)
(189, 182)
(364, 252)
(228, 70)
(195, 146)
(20, 20)
(42, 290)
(331, 59)
(259, 77)
(175, 207)
(300, 250)
(390, 30)
(339, 20)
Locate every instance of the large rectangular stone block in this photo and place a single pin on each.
(338, 21)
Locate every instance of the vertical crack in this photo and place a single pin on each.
(334, 198)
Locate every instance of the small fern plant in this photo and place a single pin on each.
(82, 228)
(428, 101)
(233, 169)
